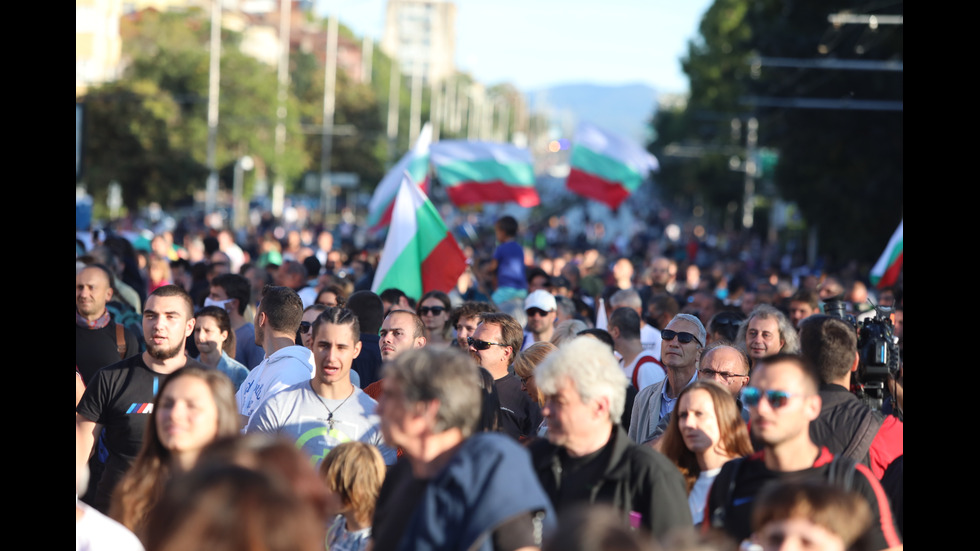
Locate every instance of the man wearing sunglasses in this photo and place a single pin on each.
(541, 309)
(494, 345)
(783, 402)
(681, 342)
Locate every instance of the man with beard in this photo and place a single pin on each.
(119, 396)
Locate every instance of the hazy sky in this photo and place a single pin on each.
(536, 43)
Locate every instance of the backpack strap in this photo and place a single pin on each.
(636, 370)
(867, 429)
(120, 341)
(841, 472)
(719, 513)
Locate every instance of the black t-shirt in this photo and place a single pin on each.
(519, 415)
(97, 348)
(120, 397)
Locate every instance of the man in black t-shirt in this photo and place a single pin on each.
(99, 341)
(119, 395)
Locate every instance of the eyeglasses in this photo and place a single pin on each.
(727, 320)
(537, 312)
(683, 336)
(434, 310)
(776, 398)
(726, 375)
(481, 345)
(304, 326)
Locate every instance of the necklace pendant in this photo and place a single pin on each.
(330, 420)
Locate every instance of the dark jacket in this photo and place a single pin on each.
(636, 479)
(849, 428)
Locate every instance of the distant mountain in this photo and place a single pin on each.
(625, 110)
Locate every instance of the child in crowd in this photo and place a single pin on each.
(353, 473)
(507, 265)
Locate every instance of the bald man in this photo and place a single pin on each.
(98, 340)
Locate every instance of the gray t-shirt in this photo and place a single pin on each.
(301, 415)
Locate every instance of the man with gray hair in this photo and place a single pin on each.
(683, 339)
(767, 331)
(588, 457)
(453, 488)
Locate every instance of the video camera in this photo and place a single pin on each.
(877, 350)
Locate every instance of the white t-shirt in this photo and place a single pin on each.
(650, 372)
(97, 532)
(698, 497)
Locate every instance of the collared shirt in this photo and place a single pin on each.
(666, 402)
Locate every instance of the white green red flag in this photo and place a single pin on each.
(416, 163)
(606, 167)
(885, 271)
(485, 172)
(420, 255)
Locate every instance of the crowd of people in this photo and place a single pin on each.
(255, 393)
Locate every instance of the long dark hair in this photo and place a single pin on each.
(734, 435)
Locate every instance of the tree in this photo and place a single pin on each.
(843, 167)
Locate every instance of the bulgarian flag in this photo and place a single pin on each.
(485, 172)
(885, 271)
(606, 167)
(416, 163)
(420, 255)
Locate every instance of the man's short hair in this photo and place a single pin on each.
(791, 340)
(176, 291)
(448, 376)
(416, 321)
(538, 272)
(702, 334)
(338, 316)
(627, 321)
(829, 344)
(105, 272)
(628, 298)
(665, 303)
(369, 309)
(283, 308)
(237, 287)
(591, 367)
(809, 296)
(811, 381)
(726, 324)
(511, 332)
(392, 295)
(471, 309)
(599, 334)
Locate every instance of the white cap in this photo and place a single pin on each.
(541, 299)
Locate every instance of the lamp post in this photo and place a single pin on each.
(239, 209)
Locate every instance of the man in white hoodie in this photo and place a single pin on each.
(276, 321)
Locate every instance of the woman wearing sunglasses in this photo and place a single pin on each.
(705, 431)
(435, 309)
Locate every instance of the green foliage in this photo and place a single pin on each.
(843, 167)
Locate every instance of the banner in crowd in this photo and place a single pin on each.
(419, 255)
(885, 271)
(606, 167)
(416, 163)
(485, 172)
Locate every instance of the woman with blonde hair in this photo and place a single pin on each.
(193, 407)
(705, 431)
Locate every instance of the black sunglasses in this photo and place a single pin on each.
(304, 326)
(683, 336)
(776, 398)
(481, 345)
(434, 310)
(536, 312)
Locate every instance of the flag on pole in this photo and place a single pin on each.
(485, 172)
(606, 167)
(601, 318)
(416, 163)
(420, 255)
(885, 271)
